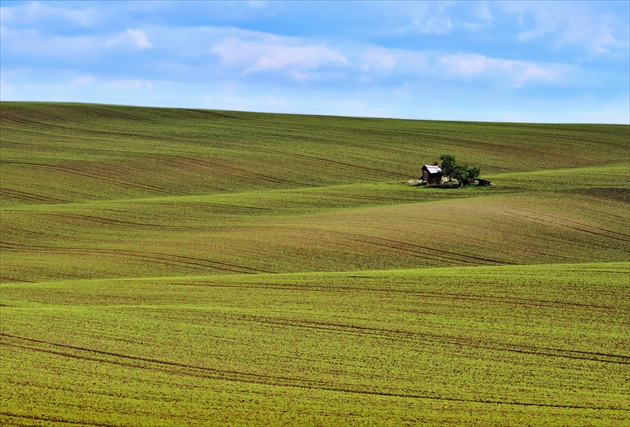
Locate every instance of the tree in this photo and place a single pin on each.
(462, 172)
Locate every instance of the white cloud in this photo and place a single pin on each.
(277, 57)
(378, 61)
(423, 17)
(433, 17)
(570, 24)
(483, 12)
(398, 65)
(132, 38)
(33, 43)
(256, 4)
(264, 52)
(411, 61)
(515, 72)
(253, 55)
(35, 12)
(479, 18)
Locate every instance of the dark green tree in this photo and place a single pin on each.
(462, 172)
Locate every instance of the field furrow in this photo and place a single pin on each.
(179, 267)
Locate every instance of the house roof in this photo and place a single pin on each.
(432, 168)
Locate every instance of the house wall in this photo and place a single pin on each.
(430, 178)
(433, 178)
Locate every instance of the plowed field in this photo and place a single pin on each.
(189, 267)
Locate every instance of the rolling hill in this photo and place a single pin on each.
(173, 266)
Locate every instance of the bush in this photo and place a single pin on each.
(462, 172)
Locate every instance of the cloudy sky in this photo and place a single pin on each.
(449, 60)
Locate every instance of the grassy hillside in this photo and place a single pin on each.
(537, 345)
(313, 230)
(102, 153)
(172, 266)
(100, 191)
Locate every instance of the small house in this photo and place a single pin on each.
(432, 174)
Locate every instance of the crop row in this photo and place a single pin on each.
(492, 344)
(290, 233)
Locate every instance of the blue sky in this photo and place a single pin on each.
(450, 60)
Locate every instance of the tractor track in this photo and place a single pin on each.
(99, 177)
(29, 197)
(110, 221)
(419, 250)
(527, 302)
(162, 258)
(444, 340)
(345, 165)
(175, 368)
(52, 419)
(229, 170)
(567, 223)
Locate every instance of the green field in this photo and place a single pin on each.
(195, 267)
